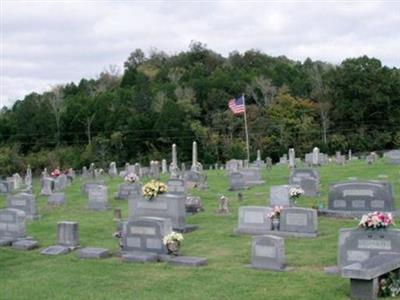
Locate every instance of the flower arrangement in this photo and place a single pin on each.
(389, 285)
(131, 178)
(376, 220)
(295, 193)
(276, 212)
(56, 172)
(153, 188)
(173, 242)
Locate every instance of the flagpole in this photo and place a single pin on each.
(245, 128)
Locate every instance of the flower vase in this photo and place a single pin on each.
(173, 248)
(275, 224)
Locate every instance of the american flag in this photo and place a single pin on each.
(237, 105)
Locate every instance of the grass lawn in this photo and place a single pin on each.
(30, 275)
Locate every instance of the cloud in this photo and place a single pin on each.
(49, 42)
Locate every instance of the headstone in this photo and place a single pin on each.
(283, 160)
(361, 196)
(60, 183)
(168, 206)
(268, 162)
(173, 167)
(85, 173)
(28, 176)
(236, 181)
(299, 220)
(393, 157)
(93, 253)
(146, 234)
(155, 169)
(5, 187)
(315, 159)
(279, 196)
(188, 261)
(307, 179)
(25, 245)
(12, 224)
(68, 234)
(292, 157)
(232, 165)
(195, 164)
(91, 185)
(193, 204)
(164, 168)
(98, 199)
(47, 186)
(194, 178)
(252, 176)
(25, 202)
(176, 187)
(268, 252)
(56, 199)
(350, 155)
(357, 245)
(112, 170)
(223, 208)
(128, 189)
(253, 220)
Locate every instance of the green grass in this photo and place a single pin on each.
(30, 275)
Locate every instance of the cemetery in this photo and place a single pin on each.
(201, 150)
(316, 243)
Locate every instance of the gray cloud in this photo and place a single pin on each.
(50, 42)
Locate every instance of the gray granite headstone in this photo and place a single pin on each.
(60, 183)
(253, 220)
(252, 176)
(55, 250)
(361, 196)
(357, 245)
(169, 206)
(301, 220)
(25, 202)
(68, 233)
(93, 253)
(98, 199)
(128, 189)
(176, 187)
(236, 181)
(146, 234)
(25, 245)
(47, 186)
(5, 187)
(393, 157)
(268, 252)
(56, 199)
(12, 223)
(279, 195)
(307, 179)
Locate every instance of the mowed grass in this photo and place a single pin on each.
(30, 275)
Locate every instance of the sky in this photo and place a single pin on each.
(51, 42)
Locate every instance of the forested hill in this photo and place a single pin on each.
(161, 99)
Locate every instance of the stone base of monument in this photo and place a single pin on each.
(189, 261)
(332, 270)
(55, 250)
(246, 231)
(139, 256)
(254, 183)
(364, 275)
(241, 188)
(96, 253)
(6, 241)
(25, 244)
(283, 269)
(187, 228)
(349, 214)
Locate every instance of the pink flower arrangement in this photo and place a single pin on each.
(56, 172)
(275, 213)
(376, 220)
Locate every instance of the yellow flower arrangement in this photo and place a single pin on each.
(154, 188)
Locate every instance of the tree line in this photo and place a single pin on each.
(159, 99)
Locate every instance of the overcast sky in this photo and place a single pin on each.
(44, 43)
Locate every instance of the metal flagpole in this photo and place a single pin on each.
(245, 128)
